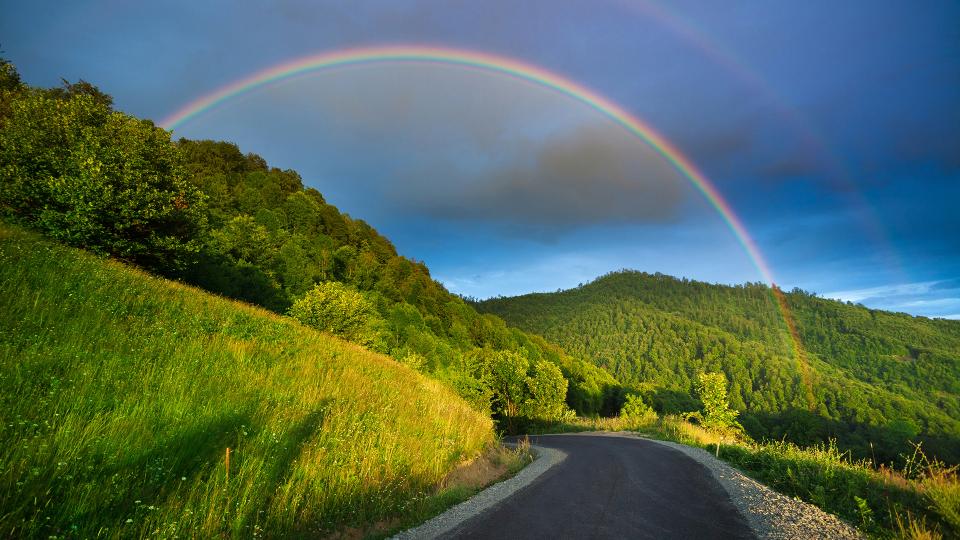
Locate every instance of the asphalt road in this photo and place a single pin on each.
(613, 487)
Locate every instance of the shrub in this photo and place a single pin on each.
(548, 392)
(717, 414)
(636, 412)
(336, 308)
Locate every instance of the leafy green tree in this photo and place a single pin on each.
(10, 86)
(637, 411)
(508, 378)
(98, 179)
(547, 393)
(717, 414)
(336, 308)
(69, 90)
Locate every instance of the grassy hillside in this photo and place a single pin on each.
(120, 394)
(203, 212)
(875, 379)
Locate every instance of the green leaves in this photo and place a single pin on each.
(635, 410)
(98, 179)
(342, 311)
(548, 391)
(717, 414)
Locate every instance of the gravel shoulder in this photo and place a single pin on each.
(546, 509)
(771, 515)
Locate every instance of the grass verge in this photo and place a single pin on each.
(921, 501)
(121, 393)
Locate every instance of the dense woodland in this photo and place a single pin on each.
(205, 213)
(208, 214)
(873, 380)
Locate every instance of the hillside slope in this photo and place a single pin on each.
(121, 392)
(876, 378)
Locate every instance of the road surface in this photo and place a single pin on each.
(613, 487)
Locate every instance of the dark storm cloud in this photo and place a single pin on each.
(595, 174)
(792, 165)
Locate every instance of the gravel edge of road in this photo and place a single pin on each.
(771, 515)
(486, 499)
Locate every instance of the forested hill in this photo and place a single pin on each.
(84, 174)
(876, 377)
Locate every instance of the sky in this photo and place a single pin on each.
(831, 129)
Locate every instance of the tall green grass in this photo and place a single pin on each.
(121, 392)
(920, 501)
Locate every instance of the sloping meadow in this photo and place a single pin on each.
(121, 393)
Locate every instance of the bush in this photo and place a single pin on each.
(717, 414)
(636, 412)
(548, 392)
(336, 308)
(99, 179)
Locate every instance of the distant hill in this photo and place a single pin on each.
(876, 377)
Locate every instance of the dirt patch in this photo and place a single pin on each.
(481, 471)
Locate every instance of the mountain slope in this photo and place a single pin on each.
(877, 378)
(202, 212)
(120, 393)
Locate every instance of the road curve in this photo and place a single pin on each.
(613, 487)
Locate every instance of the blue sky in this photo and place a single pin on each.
(832, 130)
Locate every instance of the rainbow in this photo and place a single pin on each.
(495, 64)
(523, 71)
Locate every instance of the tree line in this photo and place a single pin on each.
(205, 213)
(872, 380)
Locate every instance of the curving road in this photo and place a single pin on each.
(613, 487)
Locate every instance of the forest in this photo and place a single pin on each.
(207, 214)
(873, 380)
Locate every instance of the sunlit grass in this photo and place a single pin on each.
(920, 501)
(120, 393)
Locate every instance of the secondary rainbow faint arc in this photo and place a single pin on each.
(497, 64)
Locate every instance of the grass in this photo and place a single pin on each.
(120, 394)
(496, 464)
(920, 501)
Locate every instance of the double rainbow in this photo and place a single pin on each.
(520, 70)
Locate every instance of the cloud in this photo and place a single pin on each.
(595, 174)
(927, 298)
(458, 144)
(898, 290)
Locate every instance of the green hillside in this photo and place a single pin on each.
(203, 212)
(878, 379)
(120, 393)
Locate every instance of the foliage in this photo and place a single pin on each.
(712, 390)
(272, 240)
(508, 374)
(920, 500)
(205, 213)
(120, 393)
(98, 179)
(877, 380)
(636, 411)
(547, 389)
(333, 307)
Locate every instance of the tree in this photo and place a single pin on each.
(636, 411)
(336, 308)
(717, 414)
(508, 372)
(547, 392)
(69, 90)
(98, 179)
